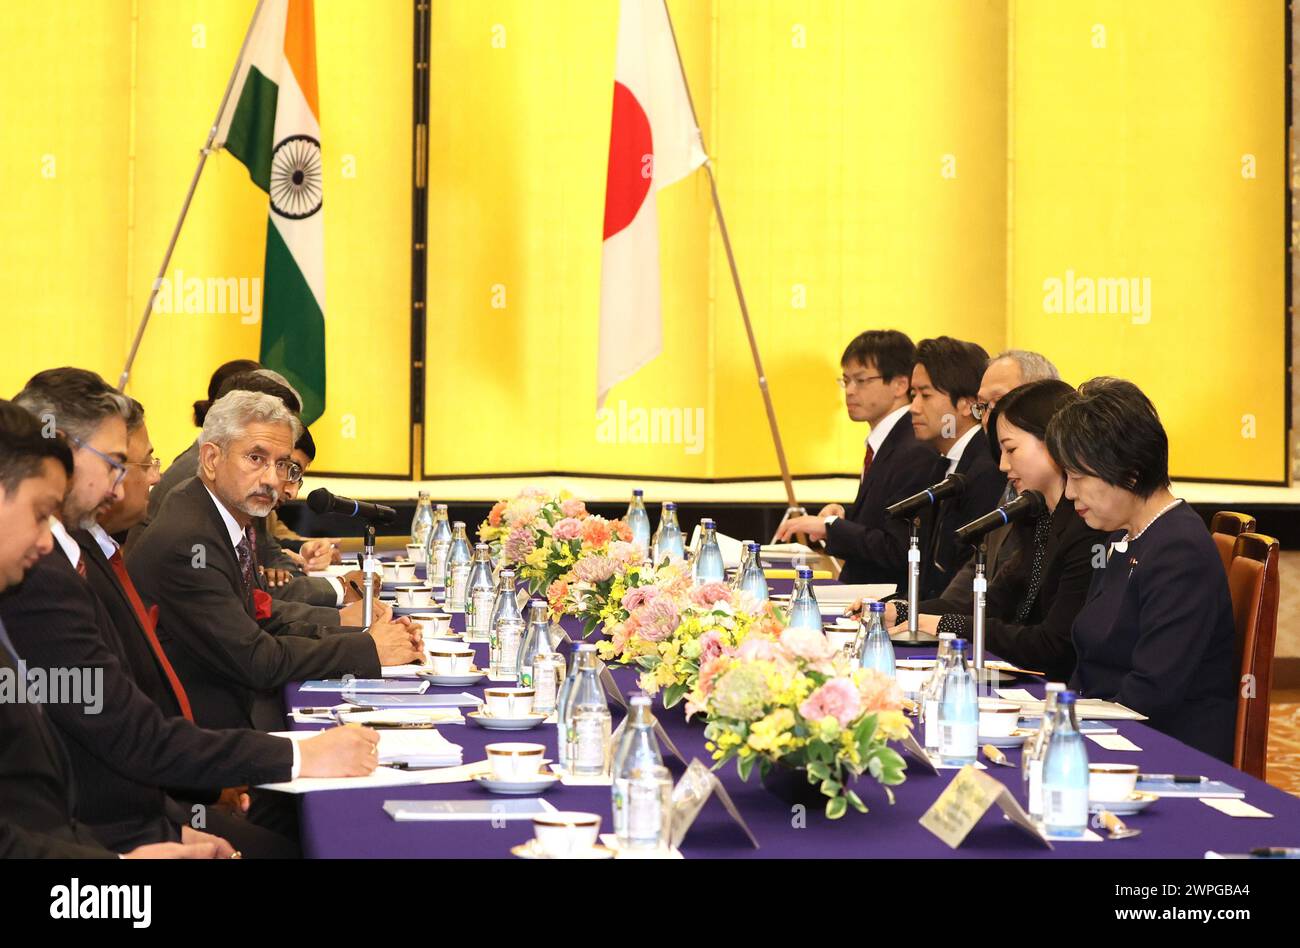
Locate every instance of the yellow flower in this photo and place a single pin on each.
(892, 725)
(771, 734)
(537, 558)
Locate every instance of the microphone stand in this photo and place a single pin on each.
(913, 585)
(979, 587)
(370, 567)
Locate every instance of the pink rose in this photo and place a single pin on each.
(567, 529)
(808, 644)
(657, 620)
(838, 698)
(710, 646)
(710, 593)
(573, 508)
(639, 596)
(593, 569)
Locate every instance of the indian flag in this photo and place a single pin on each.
(271, 123)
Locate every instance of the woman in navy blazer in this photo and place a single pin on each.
(1156, 633)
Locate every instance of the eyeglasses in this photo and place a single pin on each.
(978, 410)
(285, 469)
(844, 381)
(114, 464)
(146, 466)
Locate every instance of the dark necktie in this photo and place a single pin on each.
(81, 566)
(148, 620)
(247, 562)
(866, 461)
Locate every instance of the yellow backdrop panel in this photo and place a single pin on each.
(1148, 214)
(65, 73)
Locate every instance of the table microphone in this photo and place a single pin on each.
(321, 501)
(1029, 504)
(950, 486)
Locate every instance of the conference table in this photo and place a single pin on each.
(352, 823)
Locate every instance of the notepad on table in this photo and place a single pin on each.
(1208, 788)
(422, 810)
(436, 700)
(368, 686)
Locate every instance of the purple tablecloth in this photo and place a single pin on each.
(352, 823)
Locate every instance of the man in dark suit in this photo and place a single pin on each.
(945, 387)
(37, 793)
(281, 574)
(195, 562)
(877, 368)
(126, 748)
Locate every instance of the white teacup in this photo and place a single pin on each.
(433, 625)
(842, 639)
(451, 663)
(515, 761)
(998, 718)
(415, 597)
(415, 552)
(565, 834)
(912, 674)
(1110, 783)
(508, 702)
(405, 571)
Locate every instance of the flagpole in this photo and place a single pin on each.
(185, 207)
(792, 504)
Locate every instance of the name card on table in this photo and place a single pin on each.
(690, 795)
(914, 749)
(966, 800)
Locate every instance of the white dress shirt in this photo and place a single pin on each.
(959, 448)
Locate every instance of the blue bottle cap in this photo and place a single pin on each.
(959, 645)
(1066, 697)
(537, 602)
(877, 607)
(754, 547)
(669, 505)
(637, 492)
(804, 572)
(705, 522)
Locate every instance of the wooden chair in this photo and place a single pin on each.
(1254, 585)
(1225, 527)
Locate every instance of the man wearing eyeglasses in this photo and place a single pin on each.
(877, 368)
(196, 561)
(126, 745)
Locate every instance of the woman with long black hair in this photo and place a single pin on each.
(1032, 602)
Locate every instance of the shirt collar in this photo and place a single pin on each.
(70, 548)
(232, 525)
(106, 542)
(959, 448)
(883, 427)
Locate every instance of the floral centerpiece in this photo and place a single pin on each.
(795, 702)
(555, 538)
(670, 629)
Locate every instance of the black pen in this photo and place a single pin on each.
(1276, 852)
(1176, 778)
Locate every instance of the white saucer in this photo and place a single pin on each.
(506, 724)
(529, 850)
(1014, 739)
(1138, 801)
(449, 681)
(539, 783)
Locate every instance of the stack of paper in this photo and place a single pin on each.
(1094, 709)
(420, 749)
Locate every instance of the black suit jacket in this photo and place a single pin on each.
(127, 750)
(232, 664)
(1043, 641)
(1157, 635)
(37, 796)
(874, 547)
(984, 487)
